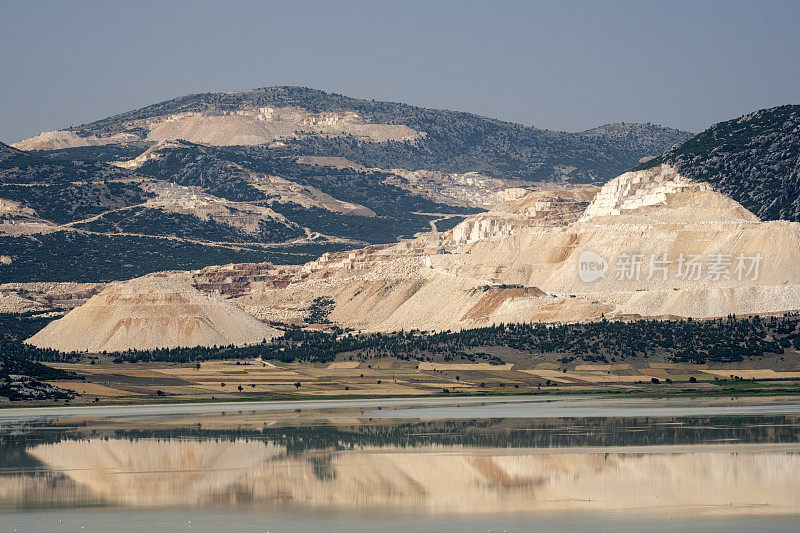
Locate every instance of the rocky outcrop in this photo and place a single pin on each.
(38, 296)
(60, 139)
(18, 387)
(644, 191)
(16, 219)
(515, 209)
(633, 190)
(24, 379)
(470, 189)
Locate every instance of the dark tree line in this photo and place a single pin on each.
(723, 340)
(720, 341)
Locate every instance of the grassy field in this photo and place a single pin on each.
(253, 379)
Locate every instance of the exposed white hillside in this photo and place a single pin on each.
(517, 208)
(265, 124)
(42, 296)
(470, 189)
(475, 229)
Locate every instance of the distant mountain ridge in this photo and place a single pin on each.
(449, 141)
(754, 159)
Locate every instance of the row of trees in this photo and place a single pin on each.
(720, 341)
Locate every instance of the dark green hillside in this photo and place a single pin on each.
(147, 221)
(755, 159)
(359, 187)
(21, 377)
(65, 191)
(103, 153)
(69, 202)
(368, 229)
(222, 171)
(21, 167)
(467, 143)
(197, 166)
(73, 256)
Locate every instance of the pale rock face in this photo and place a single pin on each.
(262, 125)
(12, 207)
(470, 189)
(476, 229)
(516, 208)
(151, 312)
(633, 190)
(43, 296)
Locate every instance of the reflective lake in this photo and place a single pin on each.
(514, 464)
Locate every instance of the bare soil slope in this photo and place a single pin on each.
(148, 313)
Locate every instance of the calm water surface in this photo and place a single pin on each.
(514, 464)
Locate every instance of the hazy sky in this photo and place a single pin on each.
(560, 65)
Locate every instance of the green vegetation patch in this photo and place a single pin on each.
(149, 221)
(687, 341)
(74, 256)
(69, 202)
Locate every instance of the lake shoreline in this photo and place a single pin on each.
(389, 407)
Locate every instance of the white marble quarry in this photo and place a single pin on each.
(642, 188)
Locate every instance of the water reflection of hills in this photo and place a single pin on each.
(303, 435)
(433, 478)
